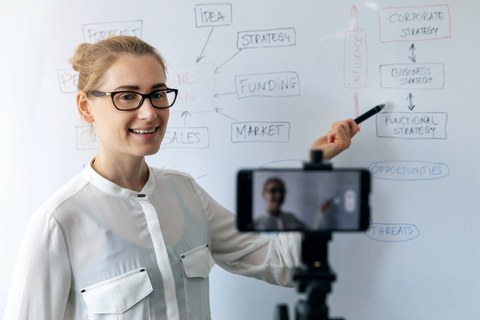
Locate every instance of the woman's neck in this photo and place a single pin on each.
(131, 174)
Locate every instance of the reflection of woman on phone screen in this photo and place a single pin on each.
(273, 193)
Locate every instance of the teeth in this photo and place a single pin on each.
(140, 131)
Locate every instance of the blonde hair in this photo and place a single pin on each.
(92, 60)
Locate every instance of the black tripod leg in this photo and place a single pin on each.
(281, 313)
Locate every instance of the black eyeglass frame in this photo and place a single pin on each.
(112, 94)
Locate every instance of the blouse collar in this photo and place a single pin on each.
(111, 188)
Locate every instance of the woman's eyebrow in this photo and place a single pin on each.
(159, 86)
(136, 88)
(127, 87)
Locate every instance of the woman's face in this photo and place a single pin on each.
(274, 195)
(129, 133)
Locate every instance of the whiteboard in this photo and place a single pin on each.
(259, 81)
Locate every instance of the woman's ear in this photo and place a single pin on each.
(83, 107)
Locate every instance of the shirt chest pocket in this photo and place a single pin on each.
(122, 297)
(197, 264)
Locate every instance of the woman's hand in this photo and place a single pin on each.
(337, 139)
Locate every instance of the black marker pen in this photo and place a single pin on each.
(369, 113)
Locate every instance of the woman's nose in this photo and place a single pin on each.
(146, 110)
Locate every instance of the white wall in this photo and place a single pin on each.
(339, 58)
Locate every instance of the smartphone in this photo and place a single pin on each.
(303, 200)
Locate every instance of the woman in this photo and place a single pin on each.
(275, 218)
(123, 239)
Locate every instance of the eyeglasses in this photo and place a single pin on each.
(131, 100)
(276, 190)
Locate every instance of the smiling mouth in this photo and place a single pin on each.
(143, 131)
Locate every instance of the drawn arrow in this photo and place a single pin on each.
(218, 110)
(221, 65)
(356, 105)
(410, 106)
(354, 15)
(201, 56)
(218, 95)
(413, 56)
(185, 114)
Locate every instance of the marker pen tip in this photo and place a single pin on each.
(387, 105)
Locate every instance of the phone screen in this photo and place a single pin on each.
(303, 200)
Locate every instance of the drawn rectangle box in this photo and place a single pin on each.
(355, 64)
(94, 32)
(274, 84)
(414, 23)
(186, 137)
(213, 15)
(420, 76)
(268, 38)
(260, 131)
(412, 125)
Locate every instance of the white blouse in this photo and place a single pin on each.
(99, 251)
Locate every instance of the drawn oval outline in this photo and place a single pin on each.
(423, 170)
(393, 232)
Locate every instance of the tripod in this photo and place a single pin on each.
(314, 279)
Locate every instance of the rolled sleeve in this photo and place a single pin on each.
(247, 253)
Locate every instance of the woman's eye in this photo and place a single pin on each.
(157, 95)
(127, 96)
